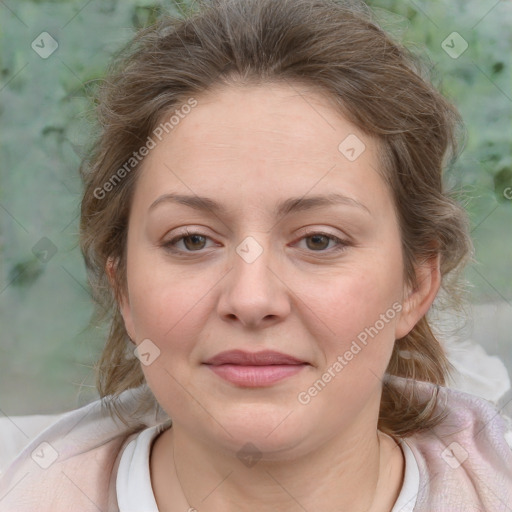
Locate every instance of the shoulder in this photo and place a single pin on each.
(72, 463)
(17, 431)
(465, 462)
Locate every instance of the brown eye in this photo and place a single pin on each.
(194, 242)
(187, 242)
(318, 241)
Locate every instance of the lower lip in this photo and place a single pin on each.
(255, 376)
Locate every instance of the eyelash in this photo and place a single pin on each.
(341, 244)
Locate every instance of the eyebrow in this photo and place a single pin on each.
(291, 205)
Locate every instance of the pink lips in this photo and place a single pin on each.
(254, 369)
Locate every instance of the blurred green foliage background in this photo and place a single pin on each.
(47, 347)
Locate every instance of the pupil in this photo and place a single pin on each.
(194, 239)
(315, 239)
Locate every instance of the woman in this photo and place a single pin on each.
(265, 217)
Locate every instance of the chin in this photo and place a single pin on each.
(274, 434)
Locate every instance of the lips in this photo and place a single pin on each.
(264, 358)
(255, 369)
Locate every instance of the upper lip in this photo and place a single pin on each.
(263, 358)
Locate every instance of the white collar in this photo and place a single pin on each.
(135, 493)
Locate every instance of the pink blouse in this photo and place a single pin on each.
(465, 463)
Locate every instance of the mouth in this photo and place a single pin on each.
(255, 369)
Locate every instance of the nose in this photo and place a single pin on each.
(254, 293)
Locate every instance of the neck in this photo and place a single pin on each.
(351, 473)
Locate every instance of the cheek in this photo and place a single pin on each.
(356, 316)
(346, 305)
(162, 295)
(359, 318)
(170, 309)
(165, 310)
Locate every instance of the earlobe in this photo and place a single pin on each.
(123, 302)
(418, 300)
(110, 269)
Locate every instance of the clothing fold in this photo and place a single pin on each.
(465, 463)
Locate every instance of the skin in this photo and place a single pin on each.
(248, 148)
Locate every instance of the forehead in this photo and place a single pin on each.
(259, 141)
(280, 115)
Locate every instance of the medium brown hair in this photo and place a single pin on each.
(337, 48)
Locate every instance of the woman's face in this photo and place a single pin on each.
(258, 266)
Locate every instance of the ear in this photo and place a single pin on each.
(417, 301)
(123, 301)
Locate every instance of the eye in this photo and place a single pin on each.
(192, 242)
(320, 241)
(316, 241)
